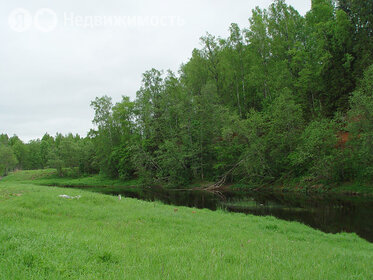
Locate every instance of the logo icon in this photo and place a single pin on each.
(20, 20)
(45, 20)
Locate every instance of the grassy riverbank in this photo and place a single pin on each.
(43, 236)
(49, 177)
(98, 183)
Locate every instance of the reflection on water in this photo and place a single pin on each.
(329, 213)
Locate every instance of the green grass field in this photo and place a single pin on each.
(43, 236)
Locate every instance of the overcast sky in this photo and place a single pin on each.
(55, 57)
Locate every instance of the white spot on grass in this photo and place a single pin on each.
(69, 197)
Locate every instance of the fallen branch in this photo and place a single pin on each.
(219, 184)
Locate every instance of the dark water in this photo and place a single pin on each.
(328, 213)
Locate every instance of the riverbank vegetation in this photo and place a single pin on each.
(93, 182)
(72, 178)
(286, 101)
(44, 236)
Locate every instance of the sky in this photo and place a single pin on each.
(57, 56)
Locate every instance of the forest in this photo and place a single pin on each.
(287, 100)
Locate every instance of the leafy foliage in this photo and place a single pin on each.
(268, 104)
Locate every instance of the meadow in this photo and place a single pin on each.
(44, 236)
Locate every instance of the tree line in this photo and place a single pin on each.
(62, 151)
(287, 100)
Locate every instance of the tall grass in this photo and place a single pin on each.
(43, 236)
